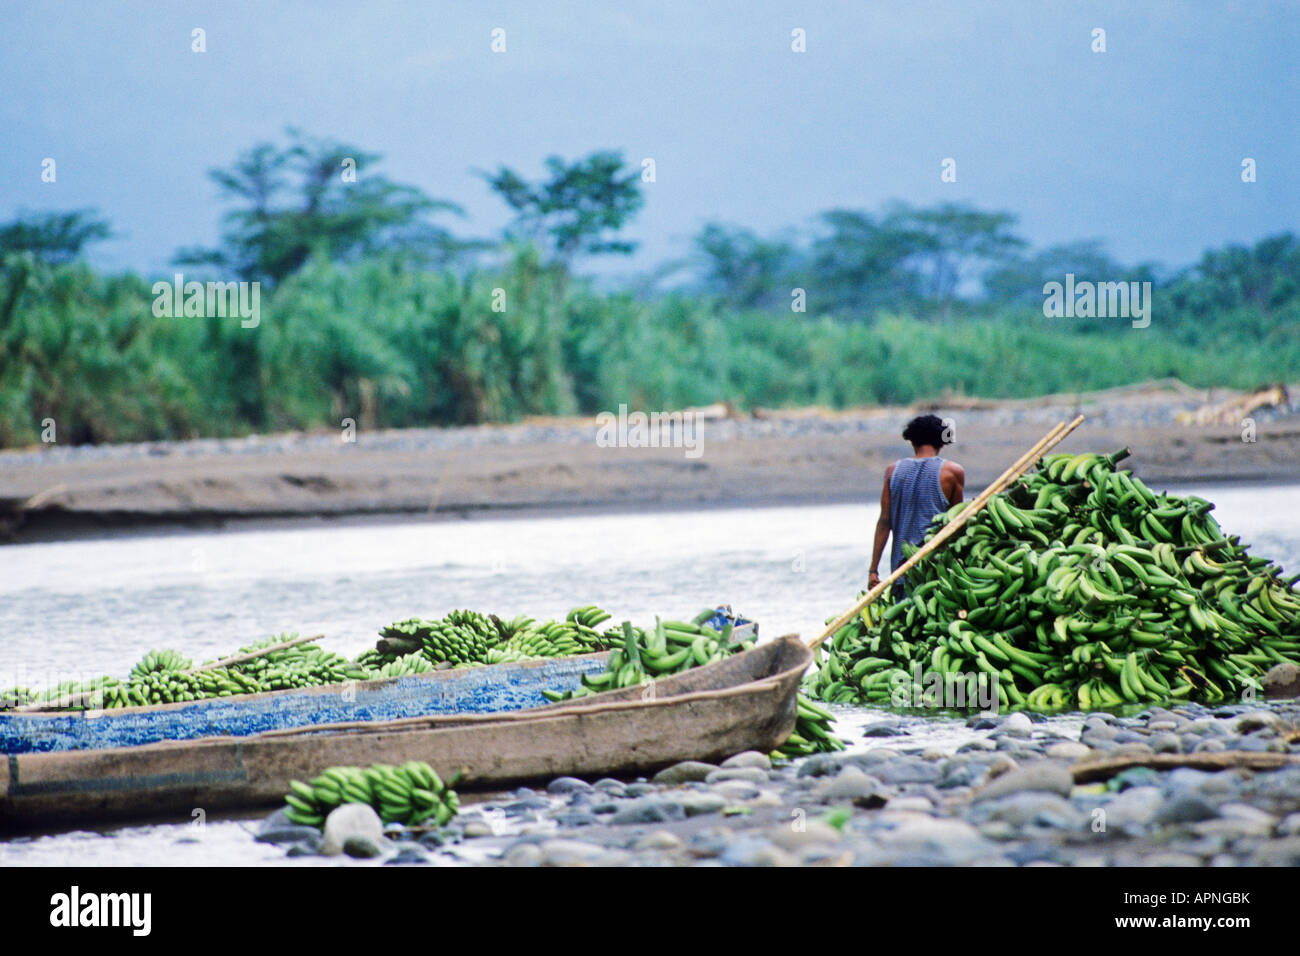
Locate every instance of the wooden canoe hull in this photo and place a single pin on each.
(745, 702)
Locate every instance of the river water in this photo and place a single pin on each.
(75, 609)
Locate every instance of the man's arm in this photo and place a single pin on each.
(952, 481)
(882, 532)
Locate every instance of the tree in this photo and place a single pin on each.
(52, 238)
(743, 269)
(577, 210)
(953, 243)
(317, 197)
(863, 265)
(1021, 280)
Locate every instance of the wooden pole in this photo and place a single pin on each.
(1019, 467)
(261, 652)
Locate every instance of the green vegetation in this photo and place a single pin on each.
(371, 311)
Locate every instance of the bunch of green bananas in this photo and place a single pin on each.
(812, 731)
(1076, 587)
(468, 638)
(642, 655)
(157, 662)
(410, 794)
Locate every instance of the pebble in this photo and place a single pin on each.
(649, 810)
(1068, 750)
(523, 854)
(1029, 808)
(883, 728)
(1290, 825)
(1134, 808)
(408, 854)
(1256, 719)
(1282, 680)
(749, 758)
(685, 772)
(362, 847)
(1017, 725)
(851, 785)
(916, 804)
(477, 828)
(348, 821)
(658, 840)
(723, 774)
(733, 790)
(1284, 852)
(753, 851)
(956, 841)
(901, 770)
(698, 804)
(563, 785)
(575, 819)
(1261, 820)
(800, 834)
(569, 853)
(1166, 743)
(1044, 776)
(610, 786)
(1184, 808)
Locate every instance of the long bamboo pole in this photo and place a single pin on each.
(1018, 467)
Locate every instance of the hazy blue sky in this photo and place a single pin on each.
(1140, 146)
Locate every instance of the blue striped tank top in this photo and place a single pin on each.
(915, 496)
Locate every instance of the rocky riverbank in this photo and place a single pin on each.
(774, 457)
(999, 791)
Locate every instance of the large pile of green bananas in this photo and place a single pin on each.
(410, 794)
(1076, 587)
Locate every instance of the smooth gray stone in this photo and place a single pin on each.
(1184, 808)
(563, 785)
(748, 758)
(853, 786)
(698, 804)
(575, 819)
(754, 851)
(883, 728)
(820, 765)
(688, 771)
(1029, 808)
(1135, 807)
(902, 770)
(723, 774)
(1046, 776)
(347, 821)
(649, 810)
(408, 854)
(362, 847)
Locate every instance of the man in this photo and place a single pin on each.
(916, 489)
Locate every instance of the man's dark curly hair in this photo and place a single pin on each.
(925, 430)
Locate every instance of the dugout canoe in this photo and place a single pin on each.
(743, 702)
